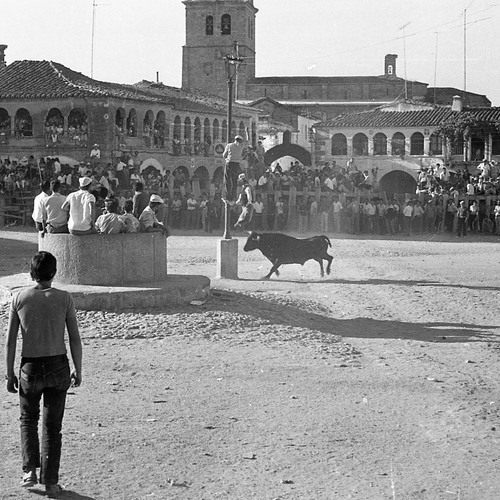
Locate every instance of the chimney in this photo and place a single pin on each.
(390, 65)
(457, 103)
(2, 56)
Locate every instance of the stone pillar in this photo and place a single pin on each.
(227, 259)
(370, 146)
(349, 147)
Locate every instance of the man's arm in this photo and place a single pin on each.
(75, 345)
(10, 352)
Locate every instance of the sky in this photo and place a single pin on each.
(135, 39)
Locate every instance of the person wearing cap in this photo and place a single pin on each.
(148, 220)
(233, 154)
(81, 207)
(245, 199)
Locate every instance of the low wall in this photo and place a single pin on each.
(113, 259)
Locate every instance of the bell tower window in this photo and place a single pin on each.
(226, 24)
(209, 26)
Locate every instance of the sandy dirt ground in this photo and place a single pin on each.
(380, 381)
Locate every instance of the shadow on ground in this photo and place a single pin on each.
(276, 313)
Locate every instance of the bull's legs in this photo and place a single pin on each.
(329, 258)
(274, 269)
(320, 262)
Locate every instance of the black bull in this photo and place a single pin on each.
(282, 249)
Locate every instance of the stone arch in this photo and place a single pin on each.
(54, 117)
(398, 181)
(5, 124)
(380, 144)
(417, 144)
(132, 123)
(225, 24)
(292, 150)
(77, 118)
(209, 25)
(204, 178)
(287, 137)
(184, 170)
(216, 130)
(120, 118)
(23, 123)
(398, 144)
(224, 131)
(360, 145)
(218, 177)
(339, 145)
(152, 162)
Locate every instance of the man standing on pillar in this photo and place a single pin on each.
(233, 154)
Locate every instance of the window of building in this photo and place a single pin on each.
(495, 144)
(209, 25)
(216, 130)
(436, 145)
(132, 123)
(287, 137)
(417, 144)
(23, 123)
(398, 144)
(339, 145)
(380, 144)
(5, 124)
(226, 24)
(360, 145)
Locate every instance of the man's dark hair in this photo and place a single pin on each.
(129, 205)
(139, 186)
(55, 186)
(43, 266)
(45, 185)
(112, 205)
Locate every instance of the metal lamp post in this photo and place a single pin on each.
(232, 63)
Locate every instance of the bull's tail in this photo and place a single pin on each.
(326, 239)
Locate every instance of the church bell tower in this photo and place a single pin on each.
(212, 27)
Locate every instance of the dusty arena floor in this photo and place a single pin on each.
(380, 381)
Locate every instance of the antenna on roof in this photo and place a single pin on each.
(435, 66)
(404, 56)
(94, 5)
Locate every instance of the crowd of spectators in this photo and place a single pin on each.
(328, 199)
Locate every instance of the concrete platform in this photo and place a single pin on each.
(175, 289)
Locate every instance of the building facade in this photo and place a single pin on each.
(399, 140)
(46, 109)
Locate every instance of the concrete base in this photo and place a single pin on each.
(107, 259)
(227, 259)
(175, 289)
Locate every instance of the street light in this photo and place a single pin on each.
(232, 62)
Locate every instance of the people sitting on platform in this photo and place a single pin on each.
(132, 224)
(148, 220)
(81, 207)
(37, 214)
(110, 222)
(55, 219)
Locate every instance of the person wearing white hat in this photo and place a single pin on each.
(81, 207)
(233, 154)
(149, 222)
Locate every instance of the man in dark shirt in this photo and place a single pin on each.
(140, 200)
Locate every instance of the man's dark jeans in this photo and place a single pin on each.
(50, 377)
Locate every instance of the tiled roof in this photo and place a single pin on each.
(419, 118)
(322, 80)
(50, 80)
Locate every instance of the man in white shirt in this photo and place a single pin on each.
(37, 214)
(81, 207)
(55, 219)
(233, 154)
(245, 199)
(258, 206)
